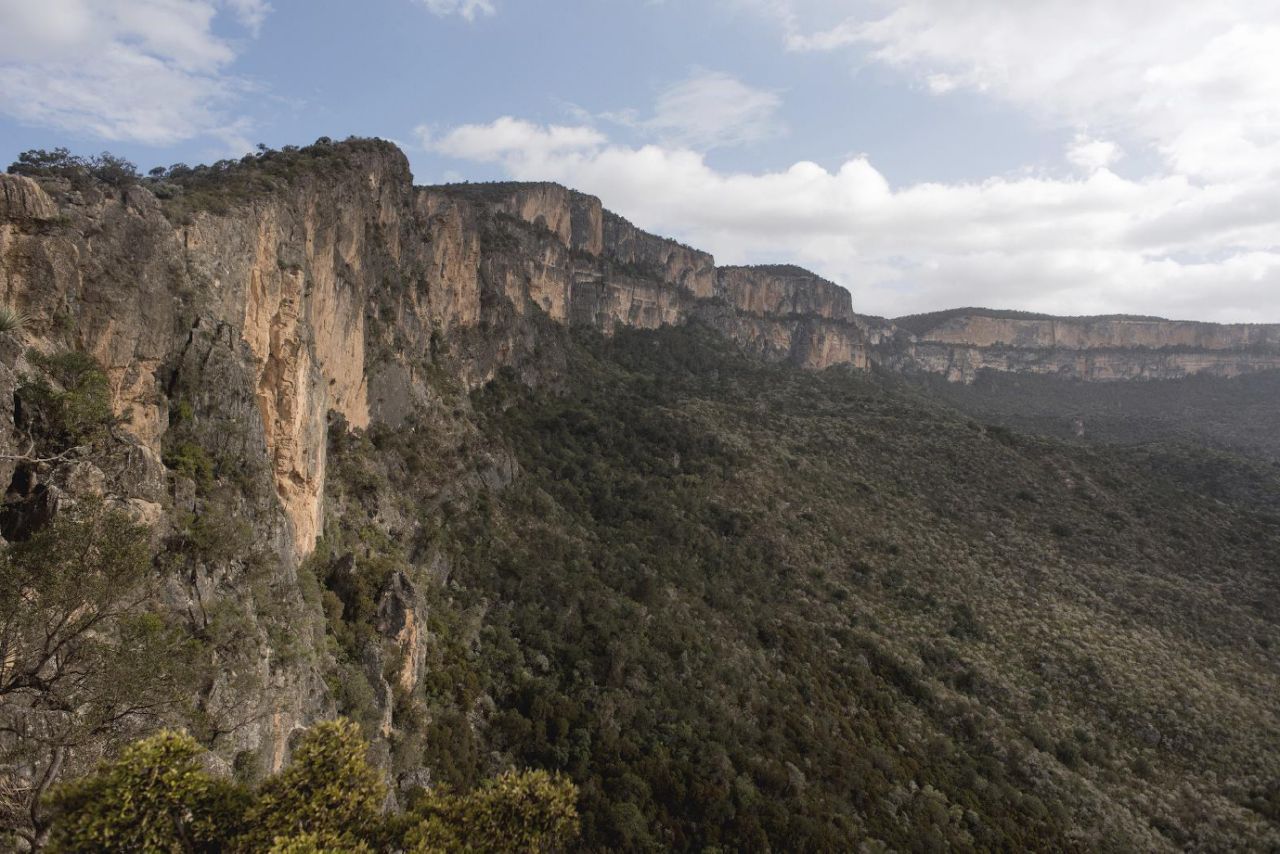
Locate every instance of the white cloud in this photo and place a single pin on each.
(1095, 244)
(150, 71)
(468, 9)
(1194, 80)
(709, 110)
(252, 14)
(512, 141)
(1089, 154)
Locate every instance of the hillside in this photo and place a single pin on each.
(513, 483)
(752, 607)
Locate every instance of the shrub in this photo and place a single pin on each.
(155, 797)
(193, 461)
(329, 792)
(61, 163)
(12, 319)
(75, 411)
(517, 811)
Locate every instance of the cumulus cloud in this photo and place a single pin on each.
(1095, 244)
(1089, 154)
(512, 141)
(150, 71)
(1194, 80)
(468, 9)
(710, 109)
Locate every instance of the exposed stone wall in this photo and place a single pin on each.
(962, 363)
(673, 262)
(1093, 349)
(782, 291)
(1106, 333)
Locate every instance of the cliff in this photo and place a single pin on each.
(783, 290)
(246, 316)
(327, 275)
(962, 342)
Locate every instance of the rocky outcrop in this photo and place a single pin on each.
(21, 199)
(575, 218)
(344, 278)
(1089, 333)
(581, 264)
(782, 290)
(658, 257)
(961, 343)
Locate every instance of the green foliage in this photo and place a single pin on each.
(61, 163)
(329, 789)
(158, 796)
(155, 797)
(86, 658)
(191, 460)
(12, 319)
(221, 186)
(1234, 414)
(74, 409)
(531, 811)
(317, 843)
(745, 606)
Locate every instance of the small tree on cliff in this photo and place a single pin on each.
(329, 794)
(155, 797)
(84, 661)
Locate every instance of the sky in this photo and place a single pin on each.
(1066, 156)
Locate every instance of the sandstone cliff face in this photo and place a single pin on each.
(110, 275)
(962, 364)
(673, 262)
(1093, 333)
(782, 291)
(960, 345)
(295, 276)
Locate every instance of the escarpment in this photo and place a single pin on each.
(963, 342)
(331, 275)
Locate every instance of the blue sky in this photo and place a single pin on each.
(1075, 157)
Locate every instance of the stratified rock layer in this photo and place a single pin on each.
(962, 343)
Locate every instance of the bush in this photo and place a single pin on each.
(193, 461)
(517, 811)
(75, 410)
(12, 319)
(61, 163)
(155, 797)
(329, 791)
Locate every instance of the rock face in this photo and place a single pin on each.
(581, 264)
(782, 291)
(671, 262)
(21, 199)
(959, 344)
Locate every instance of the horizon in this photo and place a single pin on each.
(1063, 160)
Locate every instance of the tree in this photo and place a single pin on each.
(530, 811)
(155, 797)
(85, 662)
(61, 163)
(329, 794)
